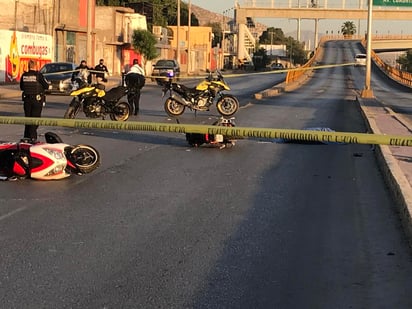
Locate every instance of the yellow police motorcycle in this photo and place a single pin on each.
(97, 103)
(201, 97)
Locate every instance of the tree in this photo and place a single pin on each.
(295, 50)
(405, 61)
(217, 33)
(272, 36)
(144, 42)
(260, 58)
(348, 28)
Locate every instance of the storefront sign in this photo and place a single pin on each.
(17, 48)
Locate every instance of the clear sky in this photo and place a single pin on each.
(289, 25)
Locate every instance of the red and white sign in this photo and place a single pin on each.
(17, 48)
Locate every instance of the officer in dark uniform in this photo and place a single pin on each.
(102, 71)
(33, 84)
(135, 81)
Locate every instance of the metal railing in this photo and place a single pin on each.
(348, 4)
(402, 77)
(295, 74)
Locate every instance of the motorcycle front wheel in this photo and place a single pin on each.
(73, 109)
(227, 105)
(121, 111)
(84, 157)
(174, 108)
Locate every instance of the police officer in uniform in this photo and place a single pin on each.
(33, 84)
(135, 81)
(102, 71)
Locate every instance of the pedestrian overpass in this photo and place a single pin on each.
(390, 43)
(316, 10)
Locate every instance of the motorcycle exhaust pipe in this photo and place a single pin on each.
(179, 99)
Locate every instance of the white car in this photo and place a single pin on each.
(360, 59)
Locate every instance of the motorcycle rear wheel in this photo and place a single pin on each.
(121, 111)
(84, 157)
(72, 110)
(174, 108)
(227, 105)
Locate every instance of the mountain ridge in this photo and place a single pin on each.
(206, 17)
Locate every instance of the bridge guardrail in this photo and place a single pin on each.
(295, 74)
(402, 77)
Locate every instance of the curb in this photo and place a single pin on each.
(395, 179)
(283, 87)
(11, 94)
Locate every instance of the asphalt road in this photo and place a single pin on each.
(260, 225)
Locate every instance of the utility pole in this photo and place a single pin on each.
(189, 23)
(367, 92)
(271, 43)
(89, 33)
(177, 34)
(15, 14)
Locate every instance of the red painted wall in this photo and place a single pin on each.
(83, 13)
(128, 56)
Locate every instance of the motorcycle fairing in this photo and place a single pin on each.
(81, 91)
(7, 146)
(180, 88)
(202, 86)
(48, 161)
(220, 83)
(18, 169)
(100, 93)
(11, 158)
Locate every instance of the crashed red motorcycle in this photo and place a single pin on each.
(46, 161)
(217, 140)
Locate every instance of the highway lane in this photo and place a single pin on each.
(390, 93)
(259, 225)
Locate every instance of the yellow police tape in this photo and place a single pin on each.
(231, 75)
(325, 66)
(239, 132)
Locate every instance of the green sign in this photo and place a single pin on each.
(392, 2)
